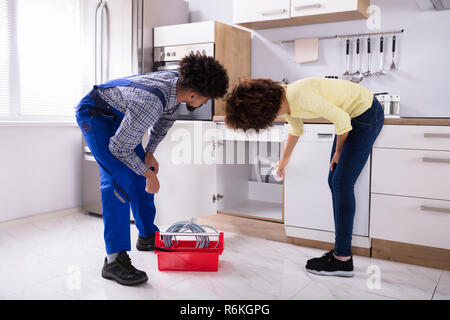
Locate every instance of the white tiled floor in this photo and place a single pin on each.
(60, 256)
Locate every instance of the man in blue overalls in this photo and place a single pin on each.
(114, 118)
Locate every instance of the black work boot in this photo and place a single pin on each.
(145, 244)
(123, 271)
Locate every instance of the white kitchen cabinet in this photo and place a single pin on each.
(414, 137)
(243, 187)
(411, 186)
(260, 10)
(418, 221)
(187, 33)
(187, 173)
(308, 203)
(413, 173)
(301, 8)
(262, 14)
(206, 168)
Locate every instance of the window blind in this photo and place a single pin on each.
(5, 59)
(48, 40)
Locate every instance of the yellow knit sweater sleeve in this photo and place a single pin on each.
(295, 125)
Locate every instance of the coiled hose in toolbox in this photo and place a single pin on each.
(181, 226)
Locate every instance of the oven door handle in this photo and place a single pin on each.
(171, 67)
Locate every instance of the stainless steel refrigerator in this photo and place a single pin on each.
(117, 41)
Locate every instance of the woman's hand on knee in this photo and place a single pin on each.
(335, 160)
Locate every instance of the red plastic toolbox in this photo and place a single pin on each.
(187, 257)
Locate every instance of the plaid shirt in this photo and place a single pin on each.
(142, 110)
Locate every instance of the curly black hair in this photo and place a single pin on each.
(204, 75)
(253, 104)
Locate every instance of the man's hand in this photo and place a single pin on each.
(335, 160)
(150, 161)
(152, 182)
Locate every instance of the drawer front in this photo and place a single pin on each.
(260, 10)
(414, 173)
(301, 8)
(276, 133)
(414, 137)
(411, 220)
(317, 132)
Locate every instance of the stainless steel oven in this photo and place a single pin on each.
(168, 58)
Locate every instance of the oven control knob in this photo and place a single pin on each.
(168, 54)
(204, 51)
(174, 54)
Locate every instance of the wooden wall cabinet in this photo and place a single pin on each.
(233, 48)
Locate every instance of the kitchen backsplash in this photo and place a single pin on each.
(422, 51)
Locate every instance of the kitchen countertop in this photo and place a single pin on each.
(393, 121)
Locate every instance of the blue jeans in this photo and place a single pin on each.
(342, 179)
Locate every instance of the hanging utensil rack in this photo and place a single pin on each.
(347, 36)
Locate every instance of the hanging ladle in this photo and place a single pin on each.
(357, 76)
(368, 73)
(382, 71)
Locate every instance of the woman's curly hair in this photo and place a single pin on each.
(203, 74)
(253, 104)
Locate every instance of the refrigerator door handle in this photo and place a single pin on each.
(105, 38)
(96, 49)
(140, 36)
(99, 43)
(135, 37)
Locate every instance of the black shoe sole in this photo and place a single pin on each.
(139, 248)
(110, 276)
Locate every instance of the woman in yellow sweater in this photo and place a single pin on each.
(358, 118)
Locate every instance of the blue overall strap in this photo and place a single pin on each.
(140, 74)
(124, 82)
(153, 90)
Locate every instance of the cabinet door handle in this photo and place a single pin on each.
(273, 12)
(308, 6)
(434, 209)
(437, 135)
(324, 135)
(169, 67)
(436, 160)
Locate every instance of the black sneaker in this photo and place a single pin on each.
(328, 265)
(314, 260)
(146, 244)
(123, 271)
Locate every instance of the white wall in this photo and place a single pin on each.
(422, 81)
(40, 169)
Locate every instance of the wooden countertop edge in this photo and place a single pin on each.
(393, 121)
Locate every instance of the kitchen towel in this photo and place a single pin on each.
(306, 50)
